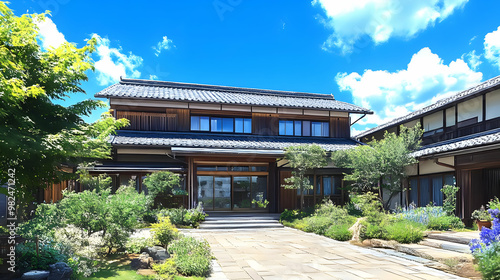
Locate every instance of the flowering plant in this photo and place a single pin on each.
(487, 236)
(481, 214)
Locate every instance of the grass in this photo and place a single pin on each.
(117, 267)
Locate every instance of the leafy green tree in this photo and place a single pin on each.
(113, 216)
(381, 164)
(36, 134)
(303, 159)
(162, 183)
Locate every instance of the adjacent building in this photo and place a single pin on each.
(225, 142)
(461, 144)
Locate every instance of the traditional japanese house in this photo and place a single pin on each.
(224, 141)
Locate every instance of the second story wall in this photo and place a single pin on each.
(215, 118)
(473, 115)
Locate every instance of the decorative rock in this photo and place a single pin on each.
(159, 254)
(60, 271)
(356, 229)
(36, 274)
(144, 261)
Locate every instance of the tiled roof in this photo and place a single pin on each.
(145, 89)
(494, 82)
(224, 141)
(469, 141)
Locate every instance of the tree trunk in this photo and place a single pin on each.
(302, 200)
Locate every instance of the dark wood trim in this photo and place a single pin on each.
(232, 173)
(484, 108)
(223, 113)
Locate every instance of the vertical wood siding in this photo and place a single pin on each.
(339, 127)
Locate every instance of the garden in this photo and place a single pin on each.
(93, 234)
(364, 218)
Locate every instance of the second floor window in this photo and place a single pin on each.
(221, 124)
(304, 128)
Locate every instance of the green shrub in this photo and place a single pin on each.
(184, 217)
(339, 232)
(488, 262)
(27, 259)
(317, 224)
(4, 230)
(450, 199)
(166, 270)
(494, 203)
(135, 245)
(445, 223)
(370, 206)
(192, 257)
(404, 231)
(163, 231)
(373, 231)
(290, 215)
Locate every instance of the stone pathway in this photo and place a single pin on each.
(292, 254)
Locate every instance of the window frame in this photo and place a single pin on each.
(303, 127)
(246, 123)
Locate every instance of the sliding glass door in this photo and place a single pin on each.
(214, 192)
(231, 192)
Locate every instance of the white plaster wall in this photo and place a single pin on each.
(493, 104)
(450, 117)
(433, 121)
(470, 109)
(411, 124)
(429, 167)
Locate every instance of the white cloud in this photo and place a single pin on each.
(472, 59)
(113, 64)
(492, 47)
(153, 77)
(395, 94)
(472, 40)
(49, 35)
(165, 44)
(354, 22)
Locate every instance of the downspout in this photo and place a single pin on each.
(358, 120)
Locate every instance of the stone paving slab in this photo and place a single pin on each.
(292, 254)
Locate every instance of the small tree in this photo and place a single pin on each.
(450, 199)
(303, 159)
(381, 164)
(161, 183)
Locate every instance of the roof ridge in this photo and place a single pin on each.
(495, 81)
(225, 88)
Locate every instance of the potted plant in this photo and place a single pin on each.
(482, 217)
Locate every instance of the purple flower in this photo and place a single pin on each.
(487, 236)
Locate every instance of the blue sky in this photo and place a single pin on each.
(391, 56)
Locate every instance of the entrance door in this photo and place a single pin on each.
(222, 193)
(214, 192)
(242, 192)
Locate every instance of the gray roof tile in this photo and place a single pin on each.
(224, 141)
(469, 141)
(145, 89)
(491, 83)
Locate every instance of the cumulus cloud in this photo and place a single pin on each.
(492, 47)
(113, 63)
(165, 44)
(355, 22)
(472, 59)
(48, 34)
(394, 94)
